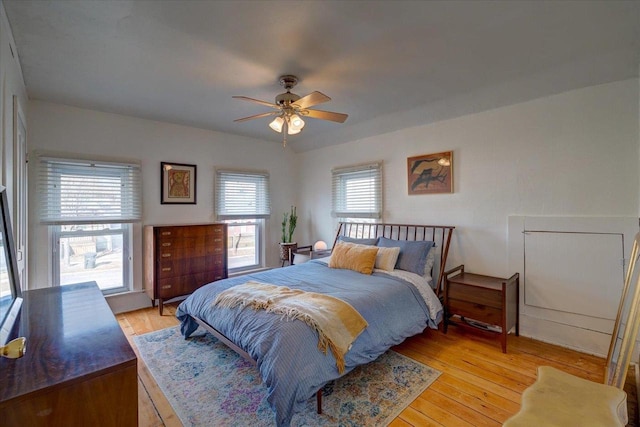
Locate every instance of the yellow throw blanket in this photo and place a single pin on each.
(337, 323)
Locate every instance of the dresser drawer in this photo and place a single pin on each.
(182, 285)
(179, 232)
(217, 263)
(214, 241)
(173, 268)
(474, 294)
(171, 253)
(483, 313)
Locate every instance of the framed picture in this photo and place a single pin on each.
(430, 173)
(178, 183)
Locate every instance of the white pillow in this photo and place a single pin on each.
(386, 258)
(431, 259)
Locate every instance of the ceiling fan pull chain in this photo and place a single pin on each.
(285, 130)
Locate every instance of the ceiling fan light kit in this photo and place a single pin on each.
(290, 107)
(277, 124)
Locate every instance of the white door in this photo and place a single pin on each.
(571, 276)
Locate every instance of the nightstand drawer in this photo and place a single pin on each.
(480, 312)
(474, 294)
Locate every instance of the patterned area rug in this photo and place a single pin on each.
(208, 384)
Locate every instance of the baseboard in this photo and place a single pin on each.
(575, 338)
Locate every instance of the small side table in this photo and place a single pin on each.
(492, 302)
(305, 253)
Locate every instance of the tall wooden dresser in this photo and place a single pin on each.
(179, 259)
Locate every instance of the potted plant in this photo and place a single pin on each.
(289, 222)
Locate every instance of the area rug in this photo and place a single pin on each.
(207, 384)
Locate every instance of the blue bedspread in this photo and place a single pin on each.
(286, 351)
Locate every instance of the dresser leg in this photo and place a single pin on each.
(153, 303)
(160, 306)
(503, 341)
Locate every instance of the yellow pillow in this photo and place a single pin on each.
(386, 258)
(360, 258)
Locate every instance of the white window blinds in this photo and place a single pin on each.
(357, 191)
(242, 195)
(85, 191)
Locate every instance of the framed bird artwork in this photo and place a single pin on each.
(430, 173)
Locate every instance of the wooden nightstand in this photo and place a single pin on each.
(305, 253)
(490, 301)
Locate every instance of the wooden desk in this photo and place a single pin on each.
(78, 370)
(486, 299)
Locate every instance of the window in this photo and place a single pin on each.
(89, 207)
(242, 201)
(357, 192)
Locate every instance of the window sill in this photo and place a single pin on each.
(244, 272)
(123, 293)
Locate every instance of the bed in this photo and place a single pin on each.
(395, 304)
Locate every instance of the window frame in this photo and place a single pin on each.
(258, 213)
(259, 223)
(127, 259)
(125, 212)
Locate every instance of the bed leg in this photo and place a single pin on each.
(319, 401)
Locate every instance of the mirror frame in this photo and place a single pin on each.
(625, 329)
(8, 321)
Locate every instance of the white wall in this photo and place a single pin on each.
(12, 89)
(11, 83)
(59, 128)
(569, 155)
(572, 154)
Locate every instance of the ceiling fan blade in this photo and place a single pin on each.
(258, 116)
(327, 115)
(257, 101)
(314, 98)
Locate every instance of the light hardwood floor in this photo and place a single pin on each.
(479, 385)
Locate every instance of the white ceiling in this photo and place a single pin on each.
(388, 64)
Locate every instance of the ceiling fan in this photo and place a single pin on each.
(290, 108)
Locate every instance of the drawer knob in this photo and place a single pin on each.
(166, 287)
(166, 244)
(166, 255)
(166, 269)
(166, 233)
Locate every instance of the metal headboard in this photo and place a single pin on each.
(439, 234)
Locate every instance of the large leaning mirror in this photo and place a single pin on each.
(625, 329)
(10, 293)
